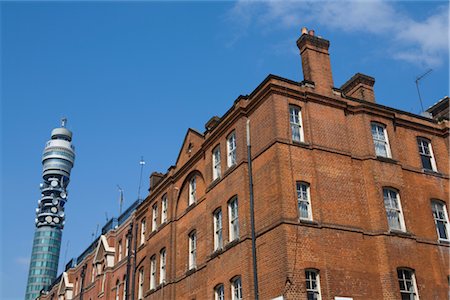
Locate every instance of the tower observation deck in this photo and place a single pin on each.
(57, 161)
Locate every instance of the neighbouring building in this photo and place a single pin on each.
(57, 161)
(350, 202)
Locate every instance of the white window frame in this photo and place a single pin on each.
(143, 228)
(231, 150)
(393, 206)
(380, 140)
(295, 120)
(304, 198)
(154, 217)
(117, 289)
(164, 209)
(313, 284)
(192, 190)
(141, 284)
(233, 219)
(218, 227)
(236, 288)
(426, 150)
(126, 246)
(402, 280)
(216, 163)
(192, 250)
(440, 215)
(219, 292)
(119, 250)
(162, 266)
(153, 272)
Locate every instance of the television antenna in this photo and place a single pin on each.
(418, 78)
(120, 199)
(141, 163)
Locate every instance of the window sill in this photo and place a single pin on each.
(191, 271)
(216, 253)
(431, 172)
(444, 242)
(301, 143)
(308, 222)
(214, 183)
(400, 233)
(386, 159)
(230, 169)
(231, 244)
(190, 207)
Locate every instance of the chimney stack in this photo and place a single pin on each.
(316, 61)
(360, 86)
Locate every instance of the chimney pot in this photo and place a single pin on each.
(304, 30)
(311, 32)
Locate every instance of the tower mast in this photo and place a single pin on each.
(57, 161)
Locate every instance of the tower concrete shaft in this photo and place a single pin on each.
(57, 161)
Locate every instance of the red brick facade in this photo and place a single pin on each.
(346, 240)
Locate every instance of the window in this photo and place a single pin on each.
(216, 162)
(117, 289)
(236, 289)
(219, 292)
(192, 250)
(380, 140)
(154, 217)
(312, 285)
(231, 150)
(93, 273)
(124, 287)
(153, 272)
(218, 229)
(440, 219)
(295, 118)
(162, 266)
(234, 219)
(303, 201)
(192, 190)
(126, 246)
(407, 282)
(141, 284)
(164, 209)
(120, 250)
(142, 231)
(426, 154)
(393, 209)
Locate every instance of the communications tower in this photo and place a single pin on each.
(57, 161)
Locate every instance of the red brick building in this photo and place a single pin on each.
(350, 202)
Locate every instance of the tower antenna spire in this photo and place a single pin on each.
(63, 122)
(142, 163)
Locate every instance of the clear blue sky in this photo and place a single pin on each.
(132, 77)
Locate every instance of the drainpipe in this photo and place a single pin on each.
(133, 282)
(129, 238)
(83, 274)
(252, 213)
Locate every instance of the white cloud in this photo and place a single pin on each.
(423, 41)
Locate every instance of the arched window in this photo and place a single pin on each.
(312, 284)
(304, 200)
(236, 288)
(295, 119)
(393, 209)
(407, 283)
(440, 219)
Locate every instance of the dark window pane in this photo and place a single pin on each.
(426, 162)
